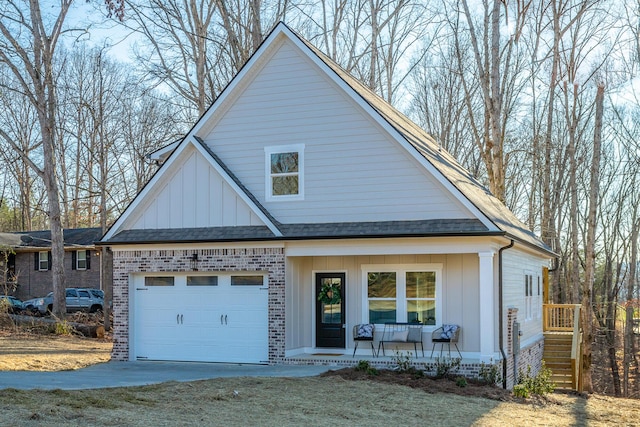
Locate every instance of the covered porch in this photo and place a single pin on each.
(460, 290)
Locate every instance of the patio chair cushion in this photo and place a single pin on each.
(400, 336)
(448, 331)
(415, 334)
(364, 331)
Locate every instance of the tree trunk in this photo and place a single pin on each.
(629, 350)
(587, 288)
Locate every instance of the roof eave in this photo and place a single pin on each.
(301, 238)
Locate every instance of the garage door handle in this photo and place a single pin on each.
(222, 319)
(178, 319)
(225, 319)
(181, 319)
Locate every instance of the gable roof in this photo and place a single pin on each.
(220, 168)
(440, 159)
(493, 217)
(41, 239)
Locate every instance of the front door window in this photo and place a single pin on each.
(330, 310)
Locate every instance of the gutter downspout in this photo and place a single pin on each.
(500, 312)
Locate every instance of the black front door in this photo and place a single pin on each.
(330, 320)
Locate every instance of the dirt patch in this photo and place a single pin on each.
(25, 351)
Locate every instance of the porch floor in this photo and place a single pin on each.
(389, 361)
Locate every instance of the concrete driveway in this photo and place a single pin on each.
(124, 374)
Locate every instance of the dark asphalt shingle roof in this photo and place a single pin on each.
(197, 234)
(437, 227)
(42, 238)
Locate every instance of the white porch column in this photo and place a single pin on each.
(487, 306)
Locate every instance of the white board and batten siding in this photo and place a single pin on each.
(194, 195)
(353, 170)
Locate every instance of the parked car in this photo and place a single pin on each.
(98, 293)
(13, 303)
(78, 299)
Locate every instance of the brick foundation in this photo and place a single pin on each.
(209, 260)
(528, 356)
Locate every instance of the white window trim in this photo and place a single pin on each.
(78, 260)
(401, 300)
(268, 151)
(528, 299)
(45, 261)
(537, 292)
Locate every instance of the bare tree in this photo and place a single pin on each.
(27, 48)
(195, 47)
(587, 286)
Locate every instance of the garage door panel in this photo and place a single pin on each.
(220, 323)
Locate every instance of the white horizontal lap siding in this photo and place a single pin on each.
(352, 170)
(515, 264)
(194, 195)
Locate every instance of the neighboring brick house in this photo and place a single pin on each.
(300, 205)
(30, 263)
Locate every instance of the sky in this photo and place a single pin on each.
(91, 25)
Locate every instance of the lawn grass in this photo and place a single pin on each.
(316, 401)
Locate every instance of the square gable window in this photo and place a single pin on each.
(284, 172)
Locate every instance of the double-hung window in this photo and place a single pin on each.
(284, 172)
(43, 260)
(403, 293)
(81, 260)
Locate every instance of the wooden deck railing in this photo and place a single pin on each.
(566, 318)
(559, 317)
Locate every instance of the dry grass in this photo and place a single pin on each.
(34, 352)
(319, 401)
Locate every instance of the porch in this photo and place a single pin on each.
(469, 367)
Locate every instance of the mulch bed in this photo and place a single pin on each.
(415, 379)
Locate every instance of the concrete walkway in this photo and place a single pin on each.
(125, 374)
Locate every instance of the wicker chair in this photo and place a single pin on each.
(364, 332)
(446, 334)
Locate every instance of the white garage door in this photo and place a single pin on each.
(204, 318)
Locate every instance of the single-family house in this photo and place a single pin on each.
(298, 184)
(27, 261)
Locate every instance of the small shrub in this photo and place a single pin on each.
(445, 367)
(461, 382)
(362, 365)
(402, 361)
(539, 384)
(489, 374)
(520, 390)
(365, 366)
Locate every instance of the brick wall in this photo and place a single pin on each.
(33, 283)
(211, 260)
(528, 356)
